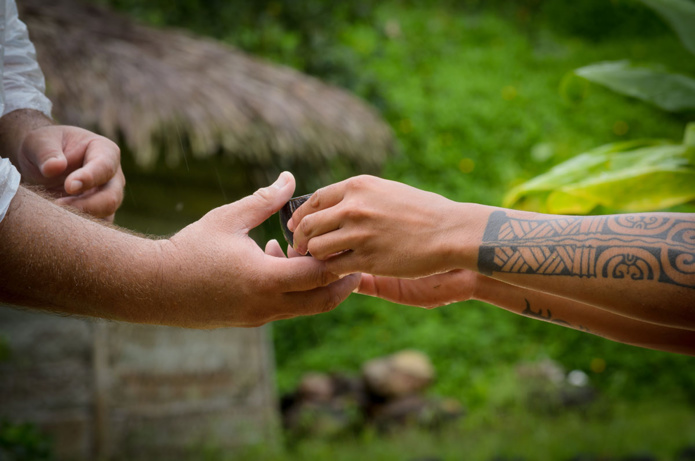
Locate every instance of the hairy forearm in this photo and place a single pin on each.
(15, 126)
(53, 259)
(635, 265)
(584, 317)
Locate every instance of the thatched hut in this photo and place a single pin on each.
(200, 122)
(134, 392)
(156, 88)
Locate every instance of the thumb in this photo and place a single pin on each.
(46, 153)
(265, 202)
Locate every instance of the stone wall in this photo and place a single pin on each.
(119, 391)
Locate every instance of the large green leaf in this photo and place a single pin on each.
(680, 15)
(669, 91)
(633, 176)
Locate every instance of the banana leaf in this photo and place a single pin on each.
(669, 91)
(633, 176)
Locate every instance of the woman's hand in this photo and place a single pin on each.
(372, 225)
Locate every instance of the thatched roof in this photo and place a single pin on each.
(161, 90)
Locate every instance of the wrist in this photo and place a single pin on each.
(465, 226)
(157, 294)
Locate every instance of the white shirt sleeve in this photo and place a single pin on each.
(23, 81)
(9, 182)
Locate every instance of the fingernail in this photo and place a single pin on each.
(76, 186)
(281, 181)
(290, 225)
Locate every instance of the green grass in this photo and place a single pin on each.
(605, 430)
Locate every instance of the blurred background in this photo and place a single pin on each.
(469, 99)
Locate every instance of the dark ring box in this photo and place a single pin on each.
(286, 213)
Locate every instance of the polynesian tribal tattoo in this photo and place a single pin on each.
(639, 247)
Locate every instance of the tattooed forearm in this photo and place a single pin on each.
(528, 312)
(640, 247)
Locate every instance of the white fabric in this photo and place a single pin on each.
(22, 87)
(9, 182)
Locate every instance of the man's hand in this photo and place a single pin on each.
(220, 277)
(78, 167)
(367, 224)
(428, 292)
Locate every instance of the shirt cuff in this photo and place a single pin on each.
(9, 183)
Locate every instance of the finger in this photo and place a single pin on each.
(272, 248)
(367, 285)
(296, 274)
(382, 287)
(99, 202)
(45, 152)
(252, 210)
(327, 245)
(315, 225)
(323, 198)
(323, 299)
(347, 262)
(101, 163)
(291, 253)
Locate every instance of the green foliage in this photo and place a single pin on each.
(680, 15)
(302, 34)
(636, 176)
(632, 176)
(667, 90)
(603, 431)
(23, 442)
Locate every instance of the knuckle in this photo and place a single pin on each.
(263, 194)
(305, 226)
(353, 213)
(315, 250)
(111, 203)
(360, 182)
(316, 198)
(323, 278)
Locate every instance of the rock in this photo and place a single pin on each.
(319, 419)
(547, 389)
(545, 372)
(404, 373)
(317, 387)
(414, 410)
(323, 406)
(402, 411)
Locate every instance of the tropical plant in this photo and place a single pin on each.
(640, 175)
